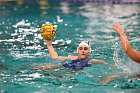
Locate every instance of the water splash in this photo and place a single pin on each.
(124, 62)
(117, 59)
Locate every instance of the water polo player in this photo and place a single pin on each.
(77, 62)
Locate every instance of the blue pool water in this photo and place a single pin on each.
(22, 48)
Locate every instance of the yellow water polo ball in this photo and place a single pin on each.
(47, 31)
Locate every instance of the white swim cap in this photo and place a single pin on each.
(84, 43)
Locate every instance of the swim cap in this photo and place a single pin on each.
(84, 43)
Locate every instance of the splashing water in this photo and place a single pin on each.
(125, 63)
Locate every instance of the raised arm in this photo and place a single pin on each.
(133, 54)
(54, 55)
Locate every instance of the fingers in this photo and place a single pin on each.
(114, 28)
(114, 23)
(117, 26)
(48, 40)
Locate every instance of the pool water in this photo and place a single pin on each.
(22, 48)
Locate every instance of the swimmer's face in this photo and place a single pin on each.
(83, 51)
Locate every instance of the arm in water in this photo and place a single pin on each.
(133, 54)
(110, 78)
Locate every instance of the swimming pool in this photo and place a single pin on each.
(22, 48)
